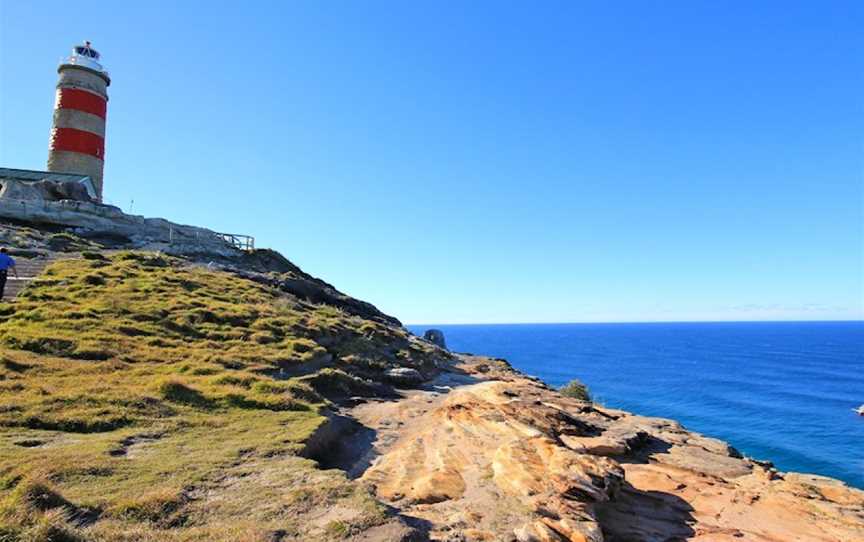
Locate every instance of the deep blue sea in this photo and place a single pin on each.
(781, 391)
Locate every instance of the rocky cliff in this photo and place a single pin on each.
(145, 396)
(486, 453)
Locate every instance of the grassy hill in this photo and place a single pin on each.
(143, 397)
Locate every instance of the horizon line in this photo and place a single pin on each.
(613, 322)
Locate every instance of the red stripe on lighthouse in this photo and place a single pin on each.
(70, 139)
(81, 100)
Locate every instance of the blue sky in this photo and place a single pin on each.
(488, 161)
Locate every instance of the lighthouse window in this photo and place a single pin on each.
(86, 52)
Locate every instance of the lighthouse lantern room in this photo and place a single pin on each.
(85, 55)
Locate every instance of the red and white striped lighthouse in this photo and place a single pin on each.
(77, 142)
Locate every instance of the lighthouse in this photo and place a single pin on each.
(77, 143)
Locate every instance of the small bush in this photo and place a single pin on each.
(157, 507)
(575, 389)
(52, 526)
(63, 241)
(94, 280)
(143, 258)
(12, 365)
(304, 392)
(336, 529)
(333, 382)
(301, 346)
(133, 331)
(42, 345)
(240, 380)
(35, 494)
(91, 353)
(85, 421)
(270, 387)
(263, 337)
(206, 370)
(178, 392)
(265, 402)
(228, 363)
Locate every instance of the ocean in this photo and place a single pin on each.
(778, 391)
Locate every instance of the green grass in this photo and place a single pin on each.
(142, 398)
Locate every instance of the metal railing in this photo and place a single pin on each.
(235, 240)
(80, 60)
(242, 242)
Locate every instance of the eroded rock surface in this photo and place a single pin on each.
(484, 453)
(44, 190)
(436, 337)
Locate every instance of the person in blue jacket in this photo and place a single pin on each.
(7, 263)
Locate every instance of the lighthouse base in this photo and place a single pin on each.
(78, 163)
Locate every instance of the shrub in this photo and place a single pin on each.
(42, 345)
(143, 258)
(158, 506)
(52, 526)
(35, 494)
(76, 421)
(36, 512)
(240, 380)
(12, 365)
(263, 337)
(178, 392)
(206, 370)
(333, 382)
(304, 392)
(276, 403)
(575, 389)
(91, 352)
(94, 280)
(270, 387)
(336, 529)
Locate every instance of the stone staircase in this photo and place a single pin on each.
(28, 269)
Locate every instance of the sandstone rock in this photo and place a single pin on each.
(508, 456)
(436, 337)
(394, 530)
(438, 486)
(595, 445)
(491, 445)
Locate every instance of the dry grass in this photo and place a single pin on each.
(143, 399)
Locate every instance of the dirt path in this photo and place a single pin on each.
(414, 467)
(368, 430)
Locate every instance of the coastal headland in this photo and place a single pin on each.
(157, 392)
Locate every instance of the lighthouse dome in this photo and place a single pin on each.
(85, 55)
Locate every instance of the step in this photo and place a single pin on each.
(28, 269)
